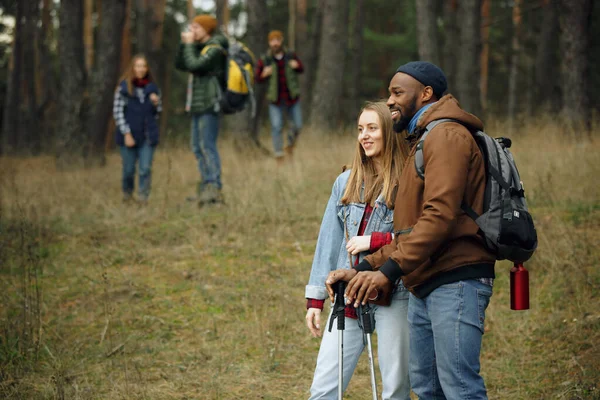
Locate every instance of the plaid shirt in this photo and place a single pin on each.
(381, 239)
(284, 93)
(120, 103)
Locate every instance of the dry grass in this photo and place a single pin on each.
(172, 302)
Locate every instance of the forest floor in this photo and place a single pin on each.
(105, 301)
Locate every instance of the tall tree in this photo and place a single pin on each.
(514, 64)
(222, 7)
(70, 136)
(311, 59)
(468, 68)
(427, 35)
(256, 39)
(291, 39)
(110, 33)
(356, 57)
(156, 23)
(88, 34)
(575, 27)
(29, 126)
(485, 51)
(10, 120)
(325, 107)
(546, 88)
(451, 40)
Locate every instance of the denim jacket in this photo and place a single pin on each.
(331, 253)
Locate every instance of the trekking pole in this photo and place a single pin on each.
(367, 323)
(339, 313)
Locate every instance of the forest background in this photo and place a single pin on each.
(99, 300)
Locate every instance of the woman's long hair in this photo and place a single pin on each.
(129, 75)
(364, 172)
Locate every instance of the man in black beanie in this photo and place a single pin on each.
(437, 251)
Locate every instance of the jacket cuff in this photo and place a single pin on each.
(378, 240)
(391, 269)
(363, 266)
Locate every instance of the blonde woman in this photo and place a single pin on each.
(359, 220)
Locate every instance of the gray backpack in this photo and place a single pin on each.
(505, 224)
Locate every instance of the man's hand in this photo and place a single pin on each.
(187, 37)
(338, 275)
(294, 64)
(313, 321)
(154, 98)
(362, 287)
(267, 71)
(129, 140)
(358, 244)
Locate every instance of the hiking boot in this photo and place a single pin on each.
(279, 160)
(210, 195)
(196, 197)
(127, 198)
(289, 151)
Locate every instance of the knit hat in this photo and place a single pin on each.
(428, 74)
(206, 21)
(275, 34)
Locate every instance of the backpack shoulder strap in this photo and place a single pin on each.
(212, 46)
(419, 166)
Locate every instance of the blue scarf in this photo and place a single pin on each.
(412, 125)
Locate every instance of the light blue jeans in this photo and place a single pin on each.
(131, 155)
(391, 326)
(446, 329)
(205, 130)
(276, 116)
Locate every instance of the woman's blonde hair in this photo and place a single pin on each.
(365, 183)
(129, 74)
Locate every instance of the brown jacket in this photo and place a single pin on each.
(435, 241)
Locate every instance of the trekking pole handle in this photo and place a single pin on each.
(340, 305)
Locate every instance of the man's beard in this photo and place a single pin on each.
(275, 49)
(405, 118)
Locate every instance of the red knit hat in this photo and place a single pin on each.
(206, 21)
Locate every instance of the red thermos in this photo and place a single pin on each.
(519, 288)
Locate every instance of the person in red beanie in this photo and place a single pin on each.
(280, 68)
(202, 53)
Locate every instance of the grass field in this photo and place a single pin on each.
(104, 301)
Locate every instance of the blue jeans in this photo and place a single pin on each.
(391, 327)
(205, 130)
(129, 156)
(276, 116)
(446, 329)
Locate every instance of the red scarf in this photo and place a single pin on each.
(141, 82)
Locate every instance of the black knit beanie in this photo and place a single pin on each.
(428, 74)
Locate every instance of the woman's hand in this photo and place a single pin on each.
(358, 244)
(129, 140)
(154, 99)
(338, 275)
(313, 321)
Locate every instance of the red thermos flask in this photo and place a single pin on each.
(519, 287)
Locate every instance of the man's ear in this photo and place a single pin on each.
(427, 94)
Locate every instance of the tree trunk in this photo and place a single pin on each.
(514, 65)
(291, 39)
(256, 39)
(546, 61)
(356, 59)
(88, 35)
(575, 27)
(223, 15)
(142, 11)
(301, 27)
(70, 134)
(10, 120)
(468, 68)
(451, 38)
(28, 126)
(485, 51)
(46, 81)
(427, 35)
(311, 60)
(156, 25)
(104, 79)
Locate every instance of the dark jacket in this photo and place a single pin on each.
(291, 75)
(435, 241)
(140, 116)
(208, 70)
